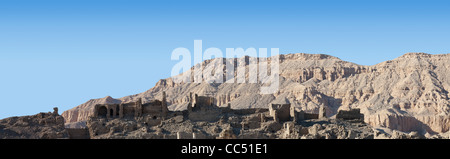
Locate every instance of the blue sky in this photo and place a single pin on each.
(65, 52)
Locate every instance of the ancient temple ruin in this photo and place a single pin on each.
(202, 108)
(352, 114)
(156, 110)
(200, 103)
(280, 112)
(202, 119)
(284, 112)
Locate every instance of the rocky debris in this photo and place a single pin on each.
(78, 133)
(76, 125)
(229, 126)
(409, 93)
(227, 134)
(383, 133)
(40, 126)
(336, 129)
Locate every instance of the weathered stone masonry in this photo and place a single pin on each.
(154, 111)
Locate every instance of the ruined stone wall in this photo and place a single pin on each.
(308, 116)
(204, 100)
(128, 110)
(280, 112)
(155, 109)
(152, 109)
(350, 115)
(248, 111)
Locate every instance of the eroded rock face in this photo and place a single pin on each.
(39, 126)
(409, 93)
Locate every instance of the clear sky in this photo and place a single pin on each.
(65, 52)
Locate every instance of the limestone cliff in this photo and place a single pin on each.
(409, 93)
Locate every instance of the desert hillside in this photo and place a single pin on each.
(409, 93)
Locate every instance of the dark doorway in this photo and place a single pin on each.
(111, 113)
(102, 111)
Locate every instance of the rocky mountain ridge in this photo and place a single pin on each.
(409, 93)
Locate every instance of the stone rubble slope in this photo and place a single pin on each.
(40, 126)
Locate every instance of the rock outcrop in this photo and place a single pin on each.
(40, 126)
(409, 93)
